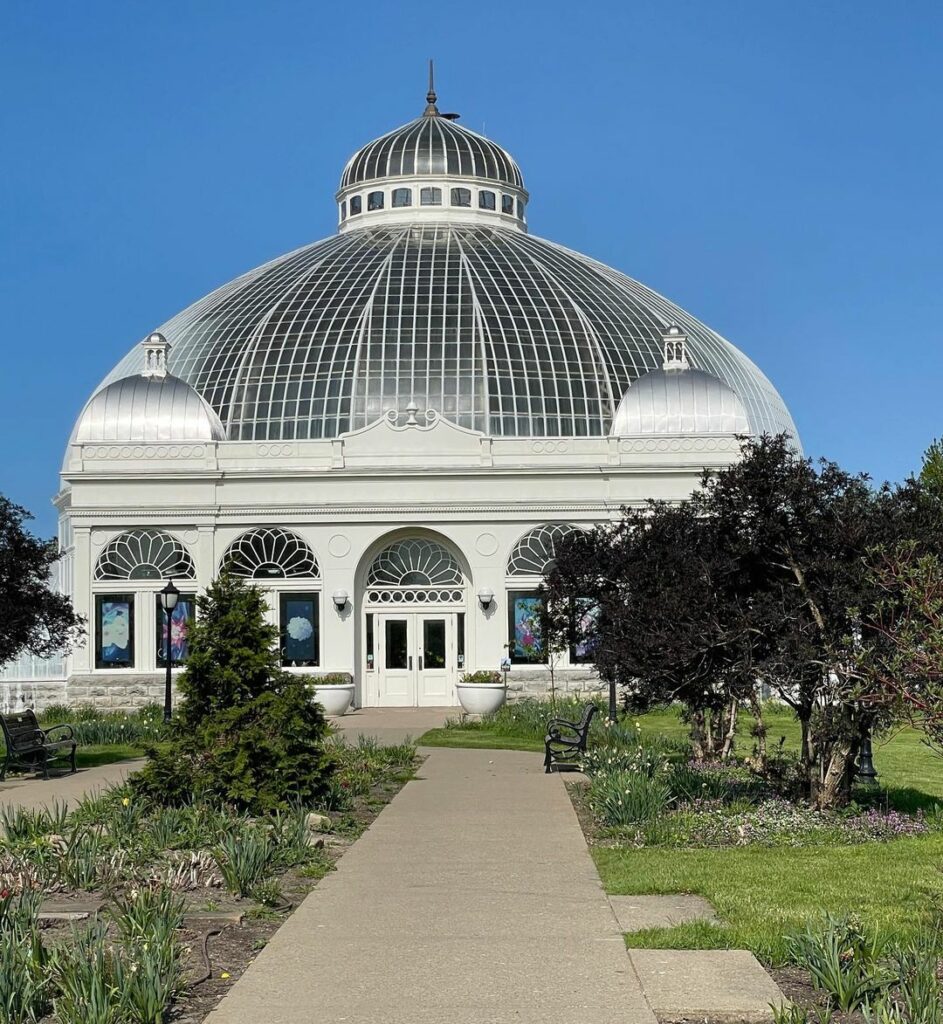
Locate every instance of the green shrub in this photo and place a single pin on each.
(481, 676)
(246, 732)
(628, 798)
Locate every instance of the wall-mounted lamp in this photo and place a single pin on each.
(485, 597)
(340, 599)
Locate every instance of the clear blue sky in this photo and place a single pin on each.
(774, 167)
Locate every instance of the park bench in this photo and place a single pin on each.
(565, 742)
(31, 748)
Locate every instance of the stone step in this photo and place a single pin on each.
(725, 986)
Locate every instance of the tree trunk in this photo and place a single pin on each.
(731, 730)
(759, 731)
(829, 780)
(697, 735)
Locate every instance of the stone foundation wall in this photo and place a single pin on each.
(124, 693)
(566, 681)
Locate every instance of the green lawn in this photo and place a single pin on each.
(761, 895)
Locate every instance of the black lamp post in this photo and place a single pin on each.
(168, 601)
(866, 770)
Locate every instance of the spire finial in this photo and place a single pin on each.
(431, 109)
(675, 348)
(156, 347)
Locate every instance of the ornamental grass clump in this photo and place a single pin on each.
(623, 798)
(246, 858)
(843, 961)
(24, 971)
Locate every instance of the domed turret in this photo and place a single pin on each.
(678, 399)
(150, 406)
(431, 169)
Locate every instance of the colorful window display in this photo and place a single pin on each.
(525, 610)
(114, 631)
(299, 629)
(586, 616)
(180, 619)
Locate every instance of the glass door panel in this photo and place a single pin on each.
(397, 644)
(433, 644)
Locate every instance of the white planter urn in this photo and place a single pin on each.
(481, 698)
(335, 700)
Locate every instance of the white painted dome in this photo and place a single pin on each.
(152, 406)
(680, 401)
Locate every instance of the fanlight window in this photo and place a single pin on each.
(535, 553)
(415, 563)
(144, 555)
(271, 553)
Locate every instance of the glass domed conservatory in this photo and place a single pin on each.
(389, 431)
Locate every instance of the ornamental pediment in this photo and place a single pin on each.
(412, 438)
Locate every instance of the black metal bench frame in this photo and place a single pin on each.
(565, 742)
(30, 748)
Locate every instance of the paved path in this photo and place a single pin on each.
(392, 725)
(28, 791)
(472, 898)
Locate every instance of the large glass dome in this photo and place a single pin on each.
(453, 310)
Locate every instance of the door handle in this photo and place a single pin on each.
(420, 662)
(410, 663)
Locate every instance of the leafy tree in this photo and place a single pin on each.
(33, 617)
(931, 473)
(901, 665)
(246, 731)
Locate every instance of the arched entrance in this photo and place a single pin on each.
(414, 602)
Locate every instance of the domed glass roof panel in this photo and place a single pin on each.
(432, 146)
(497, 330)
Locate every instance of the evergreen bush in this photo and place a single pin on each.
(246, 731)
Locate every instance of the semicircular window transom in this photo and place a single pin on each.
(415, 562)
(144, 555)
(271, 553)
(535, 553)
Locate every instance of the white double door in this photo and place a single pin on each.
(416, 659)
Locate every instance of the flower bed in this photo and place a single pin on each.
(158, 884)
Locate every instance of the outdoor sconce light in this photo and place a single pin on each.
(485, 597)
(340, 599)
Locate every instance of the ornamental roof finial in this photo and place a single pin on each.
(675, 349)
(155, 348)
(431, 109)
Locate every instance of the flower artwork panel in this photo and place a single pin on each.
(584, 631)
(114, 615)
(180, 620)
(299, 628)
(526, 610)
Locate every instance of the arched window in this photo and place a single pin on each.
(486, 200)
(430, 197)
(271, 553)
(144, 555)
(461, 197)
(535, 552)
(415, 562)
(375, 201)
(507, 204)
(402, 197)
(356, 204)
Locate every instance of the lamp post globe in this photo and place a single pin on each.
(168, 601)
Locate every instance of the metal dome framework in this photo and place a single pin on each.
(498, 331)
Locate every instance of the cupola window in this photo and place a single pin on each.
(507, 204)
(486, 200)
(461, 197)
(344, 210)
(402, 197)
(430, 197)
(520, 208)
(356, 205)
(375, 201)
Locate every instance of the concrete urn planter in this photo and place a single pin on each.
(481, 698)
(334, 698)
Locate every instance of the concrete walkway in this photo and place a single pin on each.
(472, 898)
(392, 725)
(28, 791)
